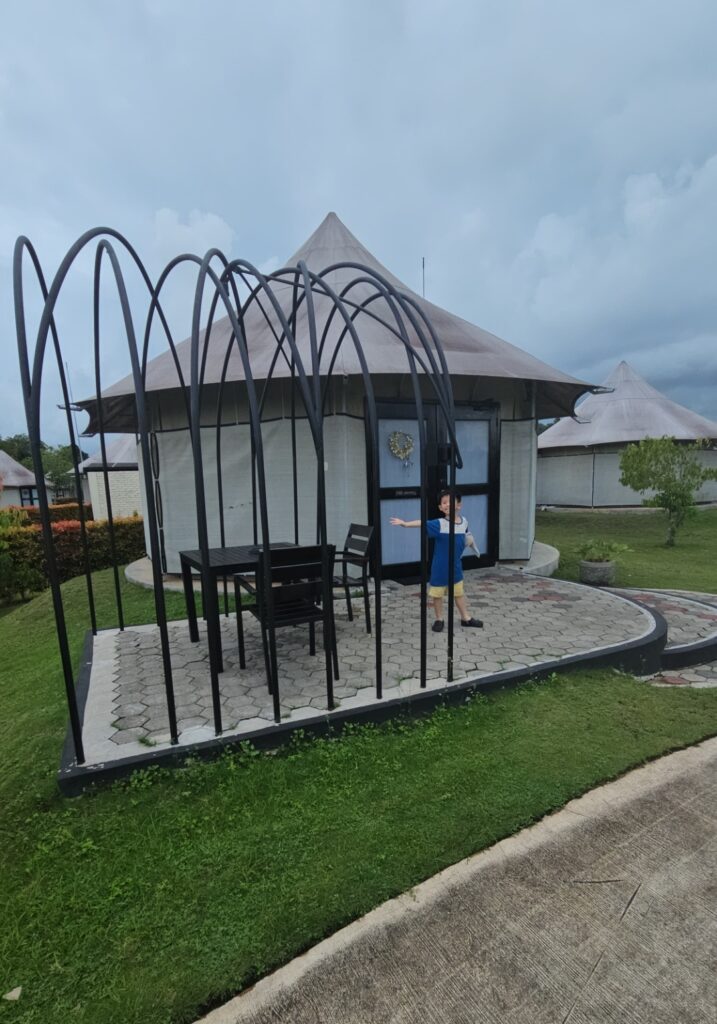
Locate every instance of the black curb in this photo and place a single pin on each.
(683, 655)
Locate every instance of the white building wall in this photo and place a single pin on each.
(592, 480)
(565, 480)
(124, 493)
(9, 496)
(518, 456)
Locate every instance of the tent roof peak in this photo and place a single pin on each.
(469, 350)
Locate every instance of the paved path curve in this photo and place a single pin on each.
(603, 912)
(691, 619)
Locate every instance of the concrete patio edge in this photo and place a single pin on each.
(641, 656)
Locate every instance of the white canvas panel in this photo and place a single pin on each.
(518, 453)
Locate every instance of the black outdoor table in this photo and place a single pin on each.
(223, 562)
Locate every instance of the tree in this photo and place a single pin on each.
(17, 447)
(59, 464)
(670, 469)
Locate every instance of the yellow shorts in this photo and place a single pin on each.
(442, 591)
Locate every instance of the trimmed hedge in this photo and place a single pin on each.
(59, 512)
(22, 555)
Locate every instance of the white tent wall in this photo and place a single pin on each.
(565, 479)
(346, 497)
(518, 457)
(345, 458)
(592, 479)
(124, 493)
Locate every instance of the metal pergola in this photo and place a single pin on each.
(234, 288)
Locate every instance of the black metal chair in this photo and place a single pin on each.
(357, 552)
(297, 575)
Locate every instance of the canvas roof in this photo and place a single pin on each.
(121, 454)
(632, 411)
(470, 351)
(13, 474)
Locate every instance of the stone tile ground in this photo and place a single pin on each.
(529, 620)
(690, 619)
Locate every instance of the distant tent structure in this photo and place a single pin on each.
(579, 457)
(499, 391)
(17, 483)
(122, 479)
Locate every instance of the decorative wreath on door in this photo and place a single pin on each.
(401, 446)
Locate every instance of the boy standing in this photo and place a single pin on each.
(438, 586)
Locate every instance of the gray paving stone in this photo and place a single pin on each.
(127, 710)
(130, 722)
(127, 736)
(189, 722)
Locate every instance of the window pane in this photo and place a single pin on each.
(475, 510)
(398, 544)
(472, 437)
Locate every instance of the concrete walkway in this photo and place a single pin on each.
(603, 912)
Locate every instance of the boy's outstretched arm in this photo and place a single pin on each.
(395, 521)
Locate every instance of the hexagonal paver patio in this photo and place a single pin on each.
(529, 621)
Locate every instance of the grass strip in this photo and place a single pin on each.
(149, 900)
(689, 565)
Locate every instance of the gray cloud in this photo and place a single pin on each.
(556, 165)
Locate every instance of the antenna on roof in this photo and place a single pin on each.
(423, 269)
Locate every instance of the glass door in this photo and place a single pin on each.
(399, 479)
(477, 479)
(399, 482)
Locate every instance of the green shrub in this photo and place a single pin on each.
(60, 511)
(600, 550)
(11, 516)
(23, 569)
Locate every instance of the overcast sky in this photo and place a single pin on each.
(555, 163)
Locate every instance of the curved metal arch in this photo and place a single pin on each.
(373, 425)
(140, 404)
(30, 249)
(100, 420)
(455, 454)
(383, 290)
(32, 382)
(400, 299)
(423, 454)
(206, 272)
(24, 244)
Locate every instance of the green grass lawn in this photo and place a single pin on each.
(148, 900)
(690, 565)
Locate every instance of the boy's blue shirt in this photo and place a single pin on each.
(439, 530)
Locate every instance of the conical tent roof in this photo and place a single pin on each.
(469, 350)
(632, 411)
(14, 474)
